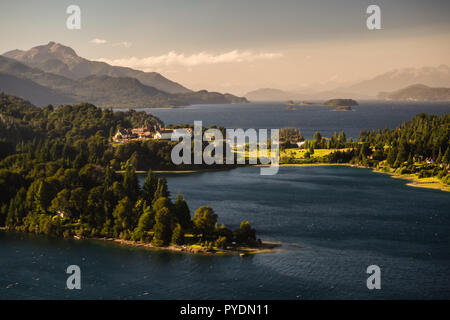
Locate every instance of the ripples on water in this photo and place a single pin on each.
(333, 221)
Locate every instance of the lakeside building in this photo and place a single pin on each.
(124, 135)
(148, 132)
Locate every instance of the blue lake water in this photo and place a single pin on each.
(368, 115)
(333, 222)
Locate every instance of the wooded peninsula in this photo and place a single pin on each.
(62, 175)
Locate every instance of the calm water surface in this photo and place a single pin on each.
(333, 222)
(368, 115)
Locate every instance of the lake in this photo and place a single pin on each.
(309, 119)
(333, 221)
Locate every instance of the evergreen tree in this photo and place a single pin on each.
(245, 234)
(205, 221)
(161, 189)
(130, 183)
(123, 216)
(392, 155)
(16, 210)
(150, 186)
(145, 224)
(43, 197)
(182, 213)
(162, 229)
(109, 177)
(178, 235)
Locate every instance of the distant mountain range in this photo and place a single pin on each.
(368, 89)
(270, 94)
(418, 92)
(61, 60)
(397, 79)
(55, 74)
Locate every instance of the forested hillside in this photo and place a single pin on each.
(58, 176)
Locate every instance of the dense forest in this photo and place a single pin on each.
(420, 146)
(61, 175)
(58, 176)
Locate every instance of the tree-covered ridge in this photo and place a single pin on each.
(58, 176)
(420, 146)
(66, 122)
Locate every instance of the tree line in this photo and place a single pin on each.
(58, 176)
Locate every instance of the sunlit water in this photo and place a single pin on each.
(333, 223)
(368, 115)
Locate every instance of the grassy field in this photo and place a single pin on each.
(293, 153)
(299, 154)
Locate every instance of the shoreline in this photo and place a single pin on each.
(266, 247)
(426, 183)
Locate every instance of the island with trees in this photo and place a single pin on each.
(341, 103)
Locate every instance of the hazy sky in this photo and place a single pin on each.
(237, 46)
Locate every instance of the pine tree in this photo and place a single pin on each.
(43, 197)
(123, 216)
(109, 177)
(162, 190)
(162, 229)
(182, 213)
(392, 155)
(178, 235)
(149, 187)
(130, 183)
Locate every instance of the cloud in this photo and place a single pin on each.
(98, 41)
(124, 44)
(180, 59)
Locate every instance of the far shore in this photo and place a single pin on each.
(415, 181)
(428, 183)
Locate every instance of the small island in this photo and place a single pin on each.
(290, 103)
(343, 108)
(306, 103)
(340, 103)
